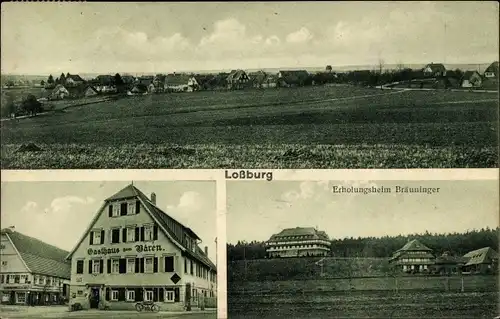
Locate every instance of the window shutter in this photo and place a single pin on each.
(155, 294)
(101, 266)
(122, 265)
(141, 263)
(109, 266)
(137, 234)
(90, 266)
(155, 264)
(123, 209)
(142, 233)
(107, 293)
(137, 207)
(177, 295)
(102, 236)
(121, 294)
(110, 210)
(91, 237)
(155, 232)
(137, 266)
(124, 235)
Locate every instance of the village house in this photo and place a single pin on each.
(201, 82)
(298, 242)
(237, 80)
(138, 89)
(413, 257)
(158, 84)
(447, 264)
(483, 260)
(471, 79)
(73, 80)
(58, 93)
(492, 70)
(105, 84)
(434, 70)
(133, 251)
(263, 80)
(177, 82)
(294, 78)
(145, 79)
(32, 272)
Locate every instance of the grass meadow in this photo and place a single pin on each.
(311, 127)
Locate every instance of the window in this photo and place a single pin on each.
(169, 263)
(191, 272)
(169, 296)
(21, 297)
(24, 278)
(79, 268)
(114, 295)
(130, 234)
(16, 279)
(148, 295)
(130, 295)
(116, 211)
(4, 263)
(148, 232)
(2, 278)
(123, 209)
(97, 237)
(115, 235)
(48, 282)
(131, 209)
(131, 265)
(115, 266)
(96, 266)
(149, 264)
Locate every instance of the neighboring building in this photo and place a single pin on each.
(60, 92)
(414, 257)
(483, 260)
(133, 251)
(263, 80)
(145, 79)
(32, 272)
(322, 78)
(294, 78)
(237, 80)
(434, 69)
(447, 264)
(492, 70)
(298, 242)
(105, 84)
(80, 91)
(138, 89)
(471, 79)
(177, 83)
(73, 80)
(158, 85)
(201, 82)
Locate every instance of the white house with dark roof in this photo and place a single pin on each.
(298, 242)
(413, 257)
(133, 251)
(32, 272)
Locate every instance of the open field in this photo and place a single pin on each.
(312, 127)
(370, 304)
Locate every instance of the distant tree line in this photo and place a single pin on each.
(454, 243)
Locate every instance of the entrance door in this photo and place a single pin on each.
(94, 298)
(12, 297)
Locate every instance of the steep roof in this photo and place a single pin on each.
(468, 74)
(74, 77)
(414, 245)
(139, 88)
(436, 67)
(493, 67)
(176, 79)
(40, 257)
(173, 228)
(481, 256)
(310, 232)
(235, 75)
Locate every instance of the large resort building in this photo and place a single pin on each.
(32, 272)
(132, 251)
(298, 242)
(413, 257)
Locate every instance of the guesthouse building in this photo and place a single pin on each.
(483, 261)
(132, 251)
(413, 257)
(32, 272)
(298, 242)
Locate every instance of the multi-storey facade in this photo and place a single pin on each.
(132, 251)
(413, 257)
(32, 272)
(298, 242)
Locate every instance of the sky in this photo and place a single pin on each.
(257, 210)
(41, 38)
(59, 212)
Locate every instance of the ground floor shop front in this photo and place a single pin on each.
(32, 297)
(120, 297)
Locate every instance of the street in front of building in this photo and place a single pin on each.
(7, 312)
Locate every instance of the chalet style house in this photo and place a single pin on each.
(434, 69)
(133, 251)
(414, 257)
(298, 242)
(471, 79)
(32, 272)
(237, 80)
(492, 70)
(483, 260)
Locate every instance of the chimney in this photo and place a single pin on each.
(206, 251)
(153, 198)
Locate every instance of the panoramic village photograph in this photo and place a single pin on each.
(257, 85)
(103, 249)
(367, 251)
